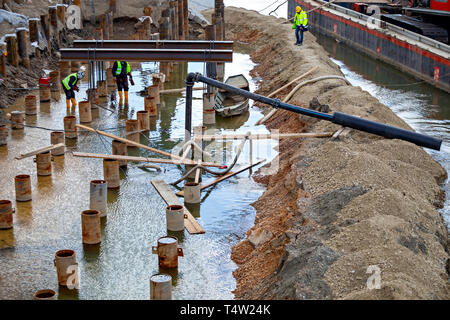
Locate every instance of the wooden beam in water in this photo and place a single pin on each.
(191, 225)
(141, 159)
(224, 177)
(38, 151)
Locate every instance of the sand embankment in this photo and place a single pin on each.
(337, 207)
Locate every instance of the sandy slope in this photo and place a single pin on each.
(337, 207)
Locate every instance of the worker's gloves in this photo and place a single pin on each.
(76, 89)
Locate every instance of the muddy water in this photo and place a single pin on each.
(424, 107)
(120, 267)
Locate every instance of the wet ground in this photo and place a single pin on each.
(120, 267)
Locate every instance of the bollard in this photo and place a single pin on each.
(161, 287)
(23, 187)
(70, 129)
(3, 71)
(45, 23)
(153, 91)
(64, 68)
(209, 117)
(208, 103)
(120, 148)
(75, 66)
(55, 81)
(180, 20)
(93, 97)
(175, 218)
(98, 196)
(22, 45)
(84, 111)
(148, 11)
(44, 163)
(18, 117)
(98, 34)
(151, 106)
(191, 192)
(111, 173)
(133, 127)
(112, 5)
(57, 137)
(186, 19)
(156, 78)
(109, 78)
(45, 294)
(3, 135)
(44, 90)
(12, 49)
(143, 118)
(65, 261)
(6, 214)
(90, 226)
(102, 88)
(61, 13)
(168, 252)
(30, 105)
(33, 27)
(164, 68)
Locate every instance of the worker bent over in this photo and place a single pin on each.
(300, 24)
(69, 85)
(121, 71)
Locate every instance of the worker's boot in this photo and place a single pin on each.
(126, 98)
(68, 103)
(121, 98)
(74, 102)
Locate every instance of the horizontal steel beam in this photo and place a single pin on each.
(85, 54)
(154, 44)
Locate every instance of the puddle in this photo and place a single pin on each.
(121, 266)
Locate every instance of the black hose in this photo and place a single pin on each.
(343, 119)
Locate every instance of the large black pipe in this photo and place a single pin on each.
(343, 119)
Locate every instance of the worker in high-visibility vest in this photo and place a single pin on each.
(69, 84)
(300, 24)
(121, 71)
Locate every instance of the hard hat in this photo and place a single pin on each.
(80, 74)
(298, 9)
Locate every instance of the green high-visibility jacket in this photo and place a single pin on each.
(70, 81)
(300, 19)
(118, 68)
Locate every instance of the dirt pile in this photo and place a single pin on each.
(340, 214)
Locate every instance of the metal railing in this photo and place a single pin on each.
(388, 26)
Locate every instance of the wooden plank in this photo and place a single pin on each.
(191, 225)
(261, 136)
(142, 159)
(224, 177)
(136, 144)
(38, 151)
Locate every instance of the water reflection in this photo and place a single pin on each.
(135, 211)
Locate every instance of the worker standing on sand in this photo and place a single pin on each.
(300, 24)
(69, 85)
(121, 71)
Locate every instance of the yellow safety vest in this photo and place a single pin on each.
(119, 68)
(67, 79)
(300, 19)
